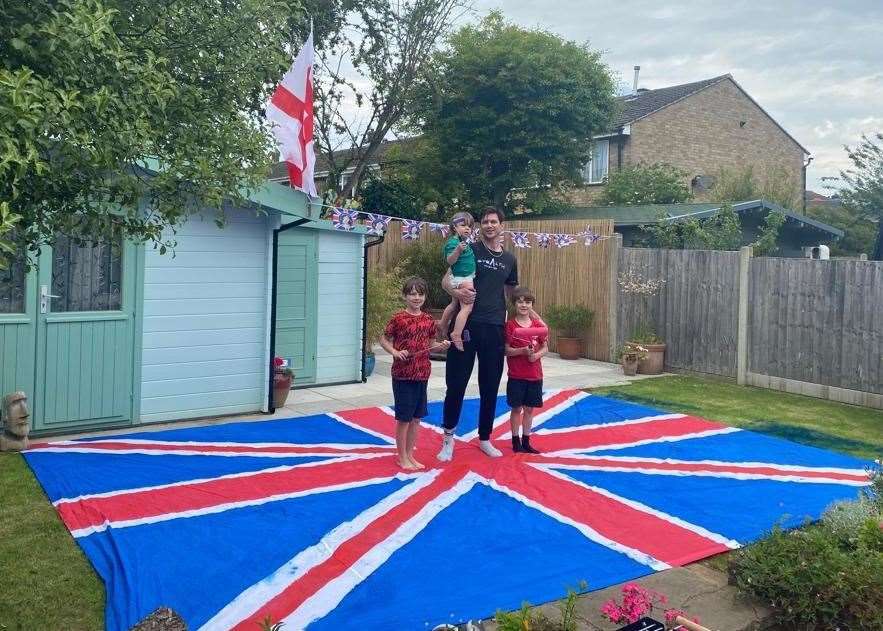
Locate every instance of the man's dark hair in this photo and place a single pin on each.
(522, 292)
(490, 210)
(414, 283)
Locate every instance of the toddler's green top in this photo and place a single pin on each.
(465, 265)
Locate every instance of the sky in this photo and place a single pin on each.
(816, 67)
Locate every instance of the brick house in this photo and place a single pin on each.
(699, 127)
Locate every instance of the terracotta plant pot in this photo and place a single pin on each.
(569, 347)
(281, 389)
(630, 366)
(654, 363)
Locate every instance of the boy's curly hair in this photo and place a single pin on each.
(522, 292)
(414, 283)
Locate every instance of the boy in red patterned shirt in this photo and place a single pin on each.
(407, 338)
(525, 347)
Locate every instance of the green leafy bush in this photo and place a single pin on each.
(658, 183)
(426, 259)
(569, 320)
(384, 299)
(814, 581)
(846, 519)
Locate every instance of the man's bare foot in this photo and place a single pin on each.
(457, 340)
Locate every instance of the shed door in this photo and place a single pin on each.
(297, 302)
(85, 335)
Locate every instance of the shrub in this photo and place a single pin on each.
(658, 183)
(569, 320)
(811, 581)
(426, 259)
(846, 519)
(384, 298)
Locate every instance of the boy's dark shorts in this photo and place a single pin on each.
(410, 399)
(523, 392)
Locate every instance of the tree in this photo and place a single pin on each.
(861, 186)
(719, 232)
(658, 183)
(860, 231)
(387, 43)
(92, 89)
(511, 108)
(742, 185)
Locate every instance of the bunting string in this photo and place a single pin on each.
(346, 219)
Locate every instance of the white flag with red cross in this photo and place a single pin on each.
(291, 110)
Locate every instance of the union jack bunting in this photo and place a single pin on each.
(519, 239)
(440, 228)
(590, 236)
(472, 237)
(309, 521)
(543, 239)
(563, 240)
(411, 229)
(344, 219)
(377, 224)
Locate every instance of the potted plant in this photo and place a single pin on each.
(630, 355)
(384, 297)
(653, 361)
(633, 284)
(283, 376)
(569, 321)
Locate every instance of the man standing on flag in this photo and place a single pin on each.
(291, 110)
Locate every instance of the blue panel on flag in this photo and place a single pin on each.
(468, 415)
(594, 410)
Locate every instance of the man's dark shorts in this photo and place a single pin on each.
(410, 399)
(523, 392)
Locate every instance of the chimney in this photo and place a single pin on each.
(635, 86)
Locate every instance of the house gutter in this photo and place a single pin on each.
(276, 231)
(368, 244)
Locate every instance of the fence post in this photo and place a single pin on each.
(613, 293)
(742, 322)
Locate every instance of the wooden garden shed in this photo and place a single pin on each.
(103, 336)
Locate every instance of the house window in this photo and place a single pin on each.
(596, 168)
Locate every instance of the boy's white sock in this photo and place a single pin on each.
(489, 449)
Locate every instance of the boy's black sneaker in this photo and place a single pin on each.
(516, 444)
(525, 446)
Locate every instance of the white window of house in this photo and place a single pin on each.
(595, 169)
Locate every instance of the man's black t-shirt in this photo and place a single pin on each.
(493, 270)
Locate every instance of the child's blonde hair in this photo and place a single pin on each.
(462, 217)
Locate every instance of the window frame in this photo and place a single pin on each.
(587, 167)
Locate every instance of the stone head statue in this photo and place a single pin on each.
(16, 422)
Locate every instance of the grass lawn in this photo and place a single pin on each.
(47, 583)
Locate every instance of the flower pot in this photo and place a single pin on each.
(281, 389)
(654, 362)
(370, 361)
(569, 347)
(630, 365)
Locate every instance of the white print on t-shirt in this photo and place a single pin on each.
(491, 263)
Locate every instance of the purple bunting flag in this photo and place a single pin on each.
(439, 228)
(543, 239)
(411, 229)
(344, 219)
(590, 236)
(519, 239)
(377, 224)
(563, 240)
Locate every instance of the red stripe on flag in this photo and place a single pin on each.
(614, 520)
(350, 551)
(371, 419)
(548, 403)
(289, 103)
(243, 449)
(169, 501)
(626, 433)
(690, 467)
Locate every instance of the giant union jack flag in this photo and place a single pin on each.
(309, 521)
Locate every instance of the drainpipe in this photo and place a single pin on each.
(368, 244)
(276, 231)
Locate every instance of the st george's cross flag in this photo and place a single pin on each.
(291, 111)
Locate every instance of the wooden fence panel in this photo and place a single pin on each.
(819, 322)
(696, 310)
(575, 274)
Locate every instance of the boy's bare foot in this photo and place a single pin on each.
(416, 464)
(457, 340)
(407, 465)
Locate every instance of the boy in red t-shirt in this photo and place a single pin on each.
(526, 343)
(407, 338)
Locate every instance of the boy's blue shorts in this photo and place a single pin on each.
(410, 399)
